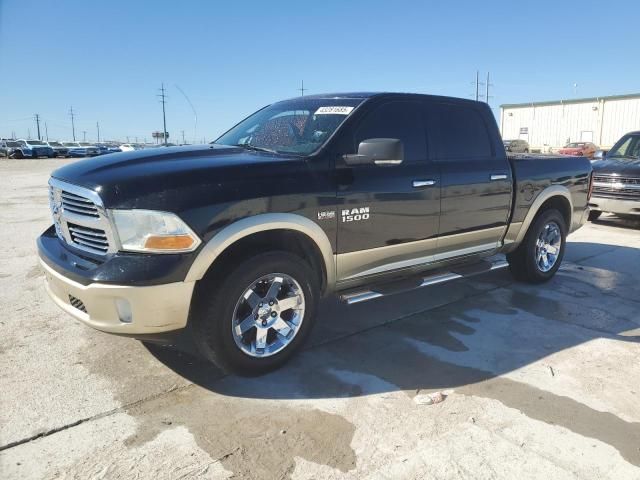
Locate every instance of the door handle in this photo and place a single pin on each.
(500, 176)
(423, 183)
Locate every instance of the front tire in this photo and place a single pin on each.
(251, 319)
(540, 254)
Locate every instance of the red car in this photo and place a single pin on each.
(581, 149)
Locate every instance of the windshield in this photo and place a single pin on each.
(627, 147)
(13, 144)
(86, 144)
(299, 126)
(55, 144)
(69, 144)
(35, 142)
(575, 145)
(507, 142)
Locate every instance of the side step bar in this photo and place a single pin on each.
(359, 296)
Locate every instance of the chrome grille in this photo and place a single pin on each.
(89, 237)
(80, 218)
(79, 205)
(615, 186)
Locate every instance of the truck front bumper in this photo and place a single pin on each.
(615, 205)
(121, 309)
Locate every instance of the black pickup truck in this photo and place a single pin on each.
(237, 240)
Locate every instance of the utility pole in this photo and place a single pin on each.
(46, 131)
(477, 84)
(84, 135)
(37, 117)
(164, 116)
(98, 127)
(28, 134)
(73, 125)
(488, 85)
(302, 89)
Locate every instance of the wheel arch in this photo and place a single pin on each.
(261, 229)
(554, 196)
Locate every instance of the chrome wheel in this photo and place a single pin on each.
(268, 315)
(548, 246)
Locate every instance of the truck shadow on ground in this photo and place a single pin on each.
(481, 345)
(497, 327)
(619, 222)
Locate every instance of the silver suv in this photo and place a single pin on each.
(516, 146)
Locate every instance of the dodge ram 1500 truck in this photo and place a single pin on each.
(237, 240)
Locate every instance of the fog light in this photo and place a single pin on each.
(124, 310)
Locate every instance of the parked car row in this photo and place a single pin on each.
(37, 148)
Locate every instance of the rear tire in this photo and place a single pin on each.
(594, 215)
(540, 254)
(18, 154)
(240, 319)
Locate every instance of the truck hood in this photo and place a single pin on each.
(625, 167)
(164, 175)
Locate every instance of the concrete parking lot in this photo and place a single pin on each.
(537, 381)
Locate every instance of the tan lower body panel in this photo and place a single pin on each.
(122, 309)
(394, 257)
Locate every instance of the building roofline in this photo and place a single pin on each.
(570, 100)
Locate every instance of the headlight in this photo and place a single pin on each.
(151, 231)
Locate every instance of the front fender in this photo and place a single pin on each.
(260, 223)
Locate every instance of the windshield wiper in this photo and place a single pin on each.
(254, 148)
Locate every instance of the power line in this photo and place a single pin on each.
(195, 115)
(164, 116)
(73, 126)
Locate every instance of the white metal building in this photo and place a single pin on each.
(548, 125)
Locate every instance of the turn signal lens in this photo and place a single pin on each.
(171, 242)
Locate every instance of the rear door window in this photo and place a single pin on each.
(458, 132)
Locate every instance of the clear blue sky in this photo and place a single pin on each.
(107, 58)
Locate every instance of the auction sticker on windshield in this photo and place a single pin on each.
(334, 110)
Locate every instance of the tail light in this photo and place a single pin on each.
(590, 186)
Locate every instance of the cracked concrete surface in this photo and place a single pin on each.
(542, 381)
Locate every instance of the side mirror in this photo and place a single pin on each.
(599, 155)
(386, 152)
